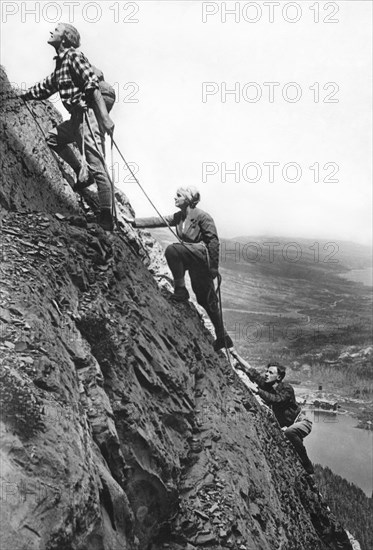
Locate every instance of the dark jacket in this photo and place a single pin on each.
(198, 226)
(281, 398)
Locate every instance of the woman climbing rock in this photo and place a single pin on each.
(197, 252)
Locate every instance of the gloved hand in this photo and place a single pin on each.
(214, 272)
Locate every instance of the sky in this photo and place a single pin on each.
(265, 107)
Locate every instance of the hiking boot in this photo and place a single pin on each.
(105, 219)
(223, 342)
(180, 294)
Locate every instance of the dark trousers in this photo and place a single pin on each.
(193, 257)
(295, 434)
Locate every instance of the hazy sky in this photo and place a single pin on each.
(301, 73)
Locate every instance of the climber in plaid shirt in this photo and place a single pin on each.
(60, 81)
(79, 90)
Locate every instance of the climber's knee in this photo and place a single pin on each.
(171, 252)
(63, 134)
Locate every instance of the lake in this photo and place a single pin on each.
(364, 276)
(348, 451)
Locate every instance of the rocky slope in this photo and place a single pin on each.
(121, 428)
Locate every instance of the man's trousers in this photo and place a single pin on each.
(71, 131)
(295, 434)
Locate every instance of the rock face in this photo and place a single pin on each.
(121, 428)
(30, 172)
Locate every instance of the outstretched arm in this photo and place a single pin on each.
(148, 223)
(243, 364)
(252, 373)
(42, 90)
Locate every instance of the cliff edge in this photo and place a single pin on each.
(121, 428)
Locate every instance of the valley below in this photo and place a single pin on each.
(311, 312)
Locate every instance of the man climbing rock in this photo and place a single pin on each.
(78, 86)
(280, 397)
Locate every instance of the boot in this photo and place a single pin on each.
(105, 219)
(180, 294)
(223, 342)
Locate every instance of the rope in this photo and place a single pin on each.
(35, 119)
(114, 207)
(83, 143)
(146, 195)
(218, 291)
(156, 209)
(54, 154)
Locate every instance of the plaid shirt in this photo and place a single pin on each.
(73, 77)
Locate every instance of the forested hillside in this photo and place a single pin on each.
(349, 504)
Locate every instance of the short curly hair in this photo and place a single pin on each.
(71, 35)
(281, 370)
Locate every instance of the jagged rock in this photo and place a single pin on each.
(213, 508)
(20, 346)
(5, 315)
(99, 417)
(202, 540)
